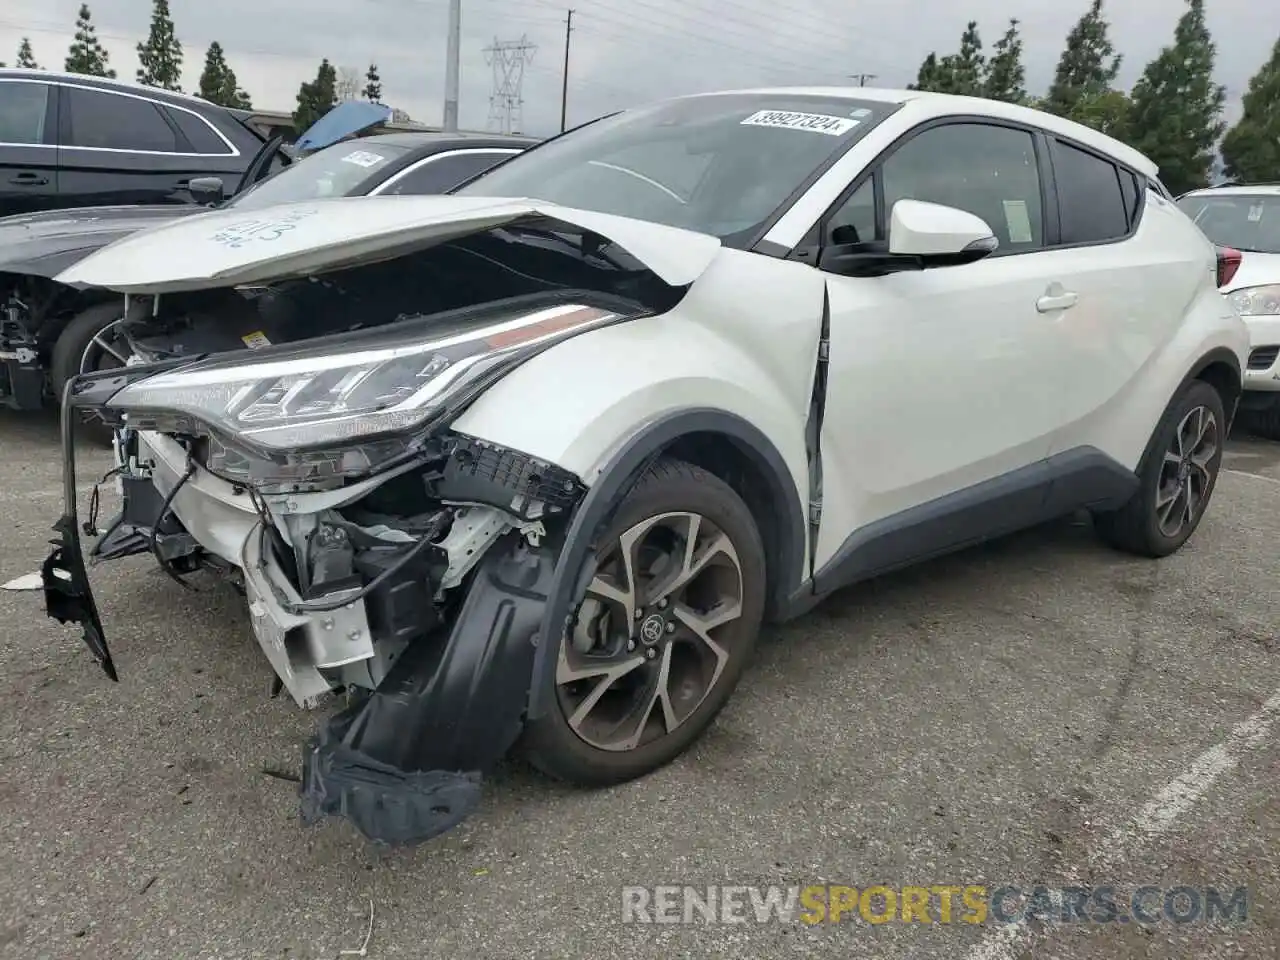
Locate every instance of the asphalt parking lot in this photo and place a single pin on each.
(1040, 710)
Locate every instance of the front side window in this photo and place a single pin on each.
(96, 118)
(23, 108)
(335, 171)
(720, 164)
(1248, 222)
(442, 173)
(989, 171)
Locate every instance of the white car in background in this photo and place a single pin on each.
(1246, 219)
(527, 465)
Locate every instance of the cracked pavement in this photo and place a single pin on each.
(1018, 713)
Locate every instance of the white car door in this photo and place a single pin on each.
(1121, 254)
(939, 379)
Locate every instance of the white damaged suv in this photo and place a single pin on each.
(527, 466)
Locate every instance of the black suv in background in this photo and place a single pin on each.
(68, 140)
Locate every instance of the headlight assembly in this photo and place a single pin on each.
(1262, 301)
(338, 410)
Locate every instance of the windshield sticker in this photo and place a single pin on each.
(363, 158)
(813, 122)
(1018, 221)
(247, 231)
(1255, 213)
(255, 340)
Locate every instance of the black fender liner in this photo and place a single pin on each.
(1215, 356)
(405, 764)
(621, 471)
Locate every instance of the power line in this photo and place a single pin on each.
(508, 59)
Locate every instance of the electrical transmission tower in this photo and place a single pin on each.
(506, 104)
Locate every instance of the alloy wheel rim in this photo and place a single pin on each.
(103, 345)
(648, 643)
(1185, 475)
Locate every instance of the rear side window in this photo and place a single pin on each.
(198, 133)
(1092, 205)
(110, 121)
(443, 173)
(23, 108)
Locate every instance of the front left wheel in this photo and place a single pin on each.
(662, 634)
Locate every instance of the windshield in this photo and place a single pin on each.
(719, 164)
(332, 172)
(1248, 222)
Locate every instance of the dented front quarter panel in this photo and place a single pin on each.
(744, 340)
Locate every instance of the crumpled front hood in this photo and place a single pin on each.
(227, 247)
(46, 243)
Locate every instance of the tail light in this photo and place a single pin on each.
(1228, 264)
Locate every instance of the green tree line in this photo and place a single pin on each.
(160, 59)
(1173, 114)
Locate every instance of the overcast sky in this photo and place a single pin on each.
(623, 51)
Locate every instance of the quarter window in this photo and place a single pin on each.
(111, 121)
(198, 133)
(989, 171)
(855, 221)
(23, 108)
(1091, 200)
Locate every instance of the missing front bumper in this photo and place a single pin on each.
(406, 763)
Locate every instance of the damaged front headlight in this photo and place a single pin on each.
(339, 408)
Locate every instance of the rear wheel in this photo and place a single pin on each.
(1176, 478)
(661, 635)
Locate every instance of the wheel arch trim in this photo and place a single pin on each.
(614, 479)
(1223, 356)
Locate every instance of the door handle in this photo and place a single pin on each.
(1063, 300)
(29, 180)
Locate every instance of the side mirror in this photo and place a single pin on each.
(206, 190)
(938, 235)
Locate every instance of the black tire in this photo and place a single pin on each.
(74, 340)
(1265, 421)
(669, 486)
(1135, 527)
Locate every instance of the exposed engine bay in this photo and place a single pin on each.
(473, 271)
(407, 568)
